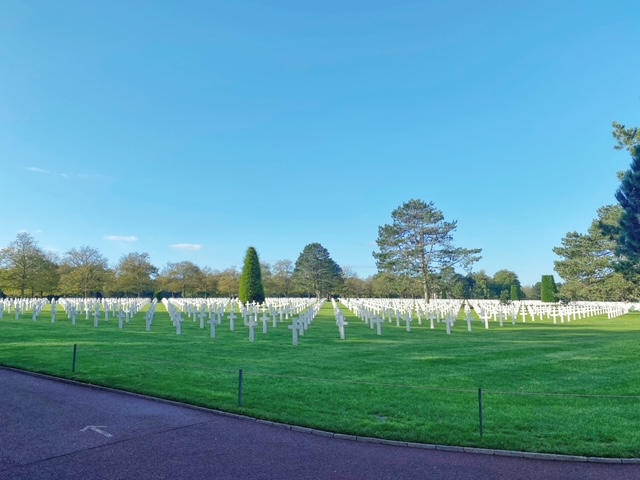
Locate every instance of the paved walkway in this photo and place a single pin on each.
(50, 429)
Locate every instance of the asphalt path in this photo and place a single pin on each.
(50, 430)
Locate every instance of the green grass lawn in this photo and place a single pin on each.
(418, 386)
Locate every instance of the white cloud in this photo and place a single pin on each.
(194, 247)
(37, 170)
(121, 238)
(81, 176)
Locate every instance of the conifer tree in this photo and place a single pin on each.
(515, 292)
(548, 289)
(316, 272)
(628, 195)
(251, 289)
(419, 244)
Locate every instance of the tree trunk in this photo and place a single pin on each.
(425, 285)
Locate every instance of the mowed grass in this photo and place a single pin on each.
(571, 388)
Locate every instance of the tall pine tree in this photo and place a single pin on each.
(316, 272)
(419, 244)
(251, 289)
(628, 195)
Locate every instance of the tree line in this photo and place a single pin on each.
(603, 264)
(26, 270)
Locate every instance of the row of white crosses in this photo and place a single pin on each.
(301, 324)
(174, 314)
(148, 318)
(37, 309)
(272, 311)
(126, 307)
(374, 312)
(440, 311)
(493, 309)
(123, 309)
(19, 305)
(340, 319)
(367, 313)
(306, 309)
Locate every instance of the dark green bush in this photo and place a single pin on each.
(251, 288)
(548, 289)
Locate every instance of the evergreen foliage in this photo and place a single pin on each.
(515, 292)
(588, 261)
(419, 244)
(251, 288)
(316, 272)
(503, 280)
(628, 195)
(504, 297)
(626, 138)
(548, 289)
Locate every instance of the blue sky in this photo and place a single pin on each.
(192, 130)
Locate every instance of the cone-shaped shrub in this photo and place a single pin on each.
(515, 292)
(548, 289)
(251, 289)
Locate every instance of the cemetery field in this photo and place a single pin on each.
(571, 388)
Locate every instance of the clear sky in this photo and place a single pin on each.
(194, 129)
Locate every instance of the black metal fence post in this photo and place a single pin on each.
(480, 413)
(75, 357)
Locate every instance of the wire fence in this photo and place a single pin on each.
(411, 412)
(347, 382)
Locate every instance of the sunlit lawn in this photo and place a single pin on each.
(418, 386)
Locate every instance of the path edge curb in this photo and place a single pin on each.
(339, 436)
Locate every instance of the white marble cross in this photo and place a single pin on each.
(294, 327)
(407, 320)
(252, 324)
(232, 320)
(377, 320)
(265, 319)
(485, 318)
(341, 324)
(212, 322)
(431, 319)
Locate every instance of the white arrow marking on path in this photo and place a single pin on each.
(97, 430)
